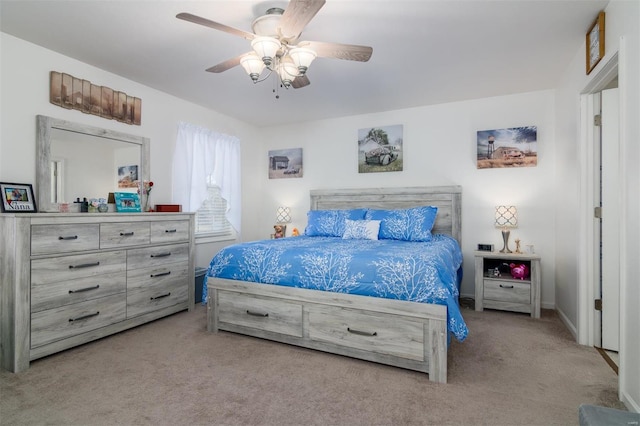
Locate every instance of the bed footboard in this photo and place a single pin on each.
(403, 334)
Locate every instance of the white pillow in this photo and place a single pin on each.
(361, 229)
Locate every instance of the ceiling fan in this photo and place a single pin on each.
(276, 45)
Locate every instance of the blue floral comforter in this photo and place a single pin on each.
(416, 271)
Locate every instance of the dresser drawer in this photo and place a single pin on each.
(122, 234)
(507, 291)
(170, 231)
(262, 313)
(154, 256)
(47, 239)
(161, 294)
(143, 278)
(372, 332)
(63, 268)
(60, 323)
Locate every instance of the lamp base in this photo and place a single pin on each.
(505, 240)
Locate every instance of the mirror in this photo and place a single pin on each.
(77, 161)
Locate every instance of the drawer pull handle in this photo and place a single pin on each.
(505, 286)
(84, 317)
(161, 254)
(362, 333)
(84, 265)
(171, 230)
(161, 296)
(257, 314)
(84, 289)
(161, 274)
(73, 237)
(126, 234)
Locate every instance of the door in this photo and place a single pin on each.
(610, 222)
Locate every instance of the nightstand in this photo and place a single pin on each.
(504, 292)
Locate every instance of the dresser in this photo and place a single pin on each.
(68, 279)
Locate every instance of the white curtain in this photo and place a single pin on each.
(201, 152)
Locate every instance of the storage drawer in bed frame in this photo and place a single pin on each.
(399, 333)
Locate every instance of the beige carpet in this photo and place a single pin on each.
(511, 370)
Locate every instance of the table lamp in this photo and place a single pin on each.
(506, 218)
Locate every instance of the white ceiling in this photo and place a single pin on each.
(424, 52)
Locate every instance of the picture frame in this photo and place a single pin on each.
(17, 198)
(286, 163)
(595, 43)
(504, 148)
(72, 92)
(127, 202)
(380, 149)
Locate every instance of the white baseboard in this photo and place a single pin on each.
(629, 402)
(568, 324)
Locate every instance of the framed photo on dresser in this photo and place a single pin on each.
(127, 202)
(17, 198)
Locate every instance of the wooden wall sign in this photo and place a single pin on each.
(70, 92)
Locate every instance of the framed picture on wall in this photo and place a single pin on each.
(285, 163)
(513, 147)
(17, 198)
(380, 149)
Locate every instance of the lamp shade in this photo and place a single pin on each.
(287, 71)
(302, 58)
(506, 217)
(266, 48)
(283, 215)
(253, 65)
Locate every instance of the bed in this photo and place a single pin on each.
(355, 314)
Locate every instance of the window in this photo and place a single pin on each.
(211, 218)
(206, 179)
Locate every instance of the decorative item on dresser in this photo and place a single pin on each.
(68, 279)
(499, 285)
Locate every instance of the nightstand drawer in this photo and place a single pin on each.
(507, 291)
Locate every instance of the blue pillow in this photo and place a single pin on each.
(413, 224)
(330, 223)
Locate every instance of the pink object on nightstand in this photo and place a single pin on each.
(519, 271)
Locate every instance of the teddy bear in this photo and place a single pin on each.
(278, 231)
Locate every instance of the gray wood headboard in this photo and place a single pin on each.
(446, 198)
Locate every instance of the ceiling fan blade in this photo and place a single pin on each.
(351, 52)
(299, 82)
(215, 25)
(228, 64)
(297, 15)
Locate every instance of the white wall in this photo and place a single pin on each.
(622, 38)
(439, 149)
(24, 83)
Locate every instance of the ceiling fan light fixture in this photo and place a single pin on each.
(253, 65)
(287, 71)
(267, 25)
(302, 58)
(266, 48)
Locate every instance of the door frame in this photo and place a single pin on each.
(586, 286)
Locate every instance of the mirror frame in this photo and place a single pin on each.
(43, 154)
